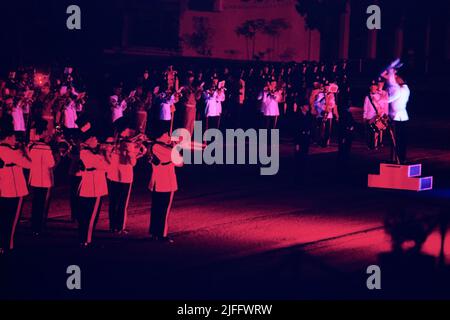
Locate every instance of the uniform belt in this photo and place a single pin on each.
(90, 169)
(165, 163)
(10, 165)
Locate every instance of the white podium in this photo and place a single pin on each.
(401, 177)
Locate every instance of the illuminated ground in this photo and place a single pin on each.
(240, 235)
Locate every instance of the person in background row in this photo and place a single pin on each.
(270, 98)
(383, 103)
(70, 115)
(329, 114)
(117, 107)
(214, 95)
(190, 94)
(41, 176)
(13, 187)
(163, 184)
(167, 98)
(346, 132)
(18, 112)
(303, 128)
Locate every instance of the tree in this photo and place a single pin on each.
(249, 29)
(322, 15)
(273, 28)
(200, 39)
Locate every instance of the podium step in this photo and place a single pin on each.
(401, 177)
(404, 170)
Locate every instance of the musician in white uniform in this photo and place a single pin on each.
(374, 107)
(214, 96)
(270, 97)
(166, 100)
(117, 107)
(70, 115)
(330, 113)
(399, 93)
(18, 112)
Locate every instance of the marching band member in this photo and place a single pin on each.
(117, 107)
(120, 178)
(317, 99)
(330, 112)
(399, 93)
(190, 95)
(47, 100)
(269, 98)
(383, 103)
(18, 112)
(167, 99)
(214, 97)
(70, 109)
(304, 126)
(92, 187)
(372, 110)
(163, 184)
(13, 186)
(74, 179)
(41, 176)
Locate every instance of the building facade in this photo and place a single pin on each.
(246, 29)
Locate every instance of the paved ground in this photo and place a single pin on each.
(297, 235)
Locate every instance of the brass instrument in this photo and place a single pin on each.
(63, 147)
(59, 146)
(144, 144)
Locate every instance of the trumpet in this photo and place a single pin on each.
(135, 146)
(62, 147)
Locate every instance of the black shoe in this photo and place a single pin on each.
(154, 238)
(36, 234)
(85, 245)
(123, 232)
(166, 240)
(2, 252)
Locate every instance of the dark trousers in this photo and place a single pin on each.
(74, 185)
(87, 215)
(10, 209)
(39, 209)
(325, 131)
(70, 133)
(164, 126)
(400, 129)
(345, 141)
(161, 204)
(270, 122)
(20, 135)
(212, 123)
(302, 142)
(119, 194)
